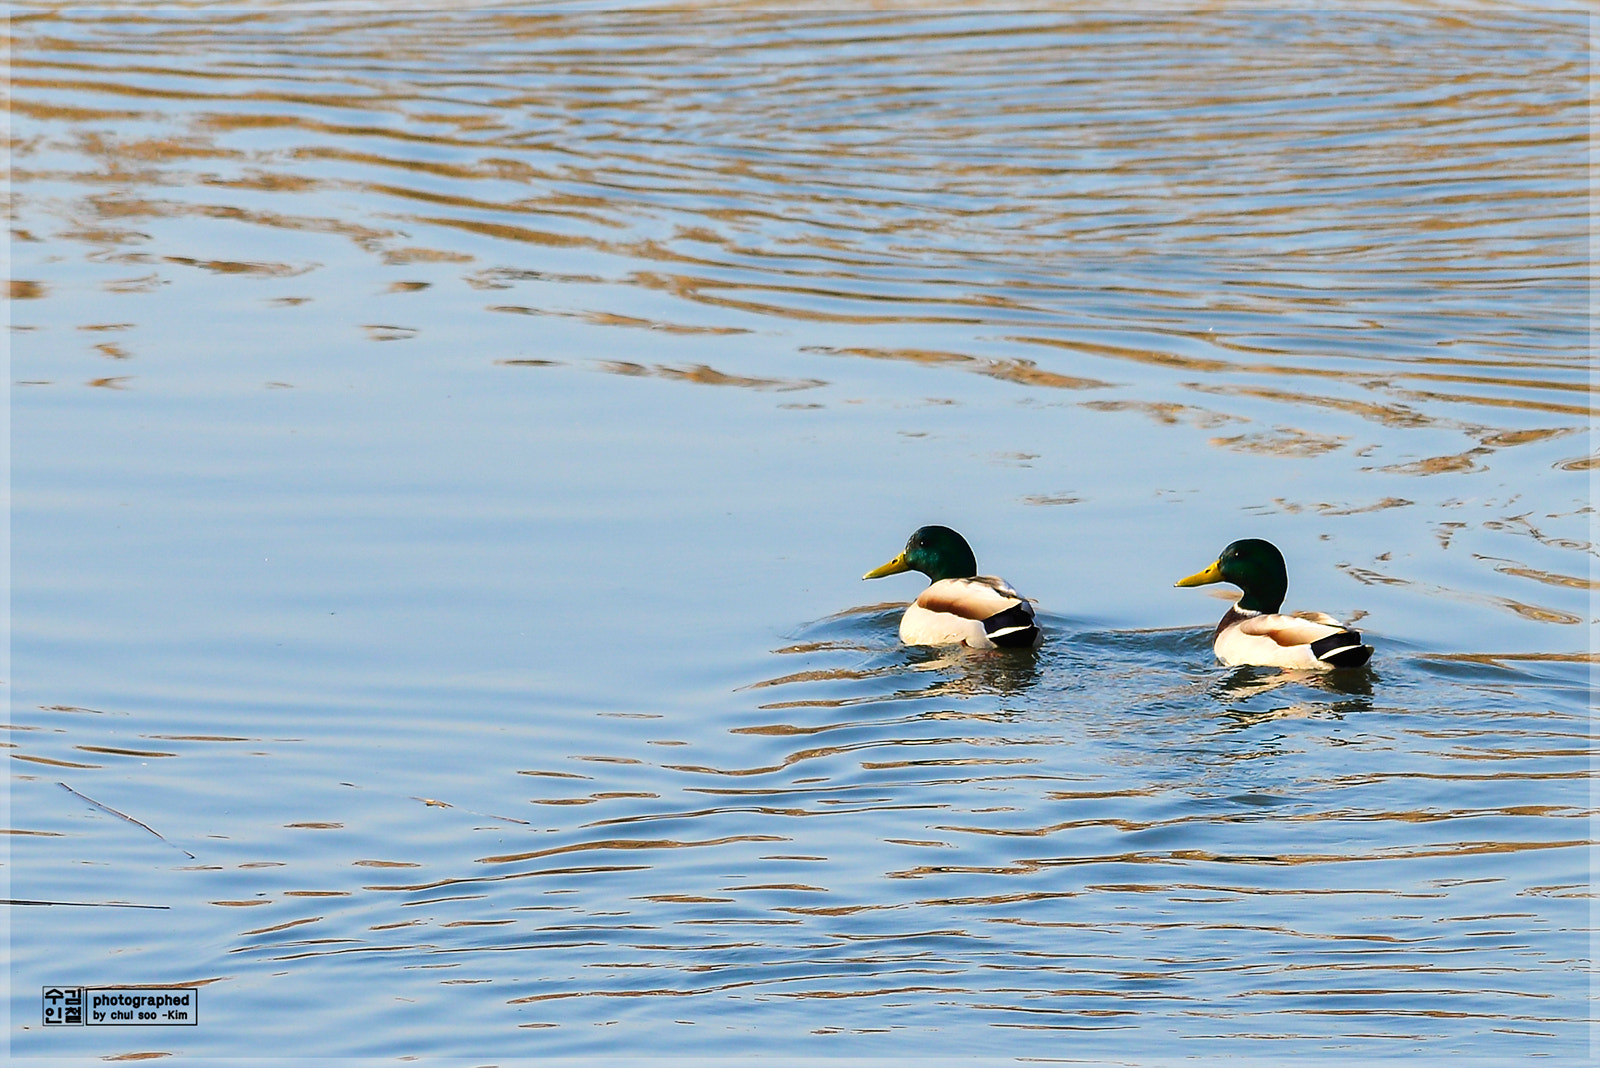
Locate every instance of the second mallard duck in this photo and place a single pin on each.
(961, 607)
(1254, 632)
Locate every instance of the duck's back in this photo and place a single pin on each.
(1304, 640)
(983, 612)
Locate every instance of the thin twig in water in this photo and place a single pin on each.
(125, 816)
(82, 904)
(432, 803)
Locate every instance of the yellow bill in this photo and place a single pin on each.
(893, 567)
(1201, 578)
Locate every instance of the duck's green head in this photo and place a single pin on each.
(937, 552)
(1253, 565)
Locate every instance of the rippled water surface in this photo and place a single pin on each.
(446, 445)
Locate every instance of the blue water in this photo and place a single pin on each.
(446, 446)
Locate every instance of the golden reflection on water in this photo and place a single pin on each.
(508, 181)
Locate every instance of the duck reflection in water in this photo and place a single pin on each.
(1247, 684)
(967, 673)
(951, 670)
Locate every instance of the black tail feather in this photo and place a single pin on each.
(1012, 628)
(1343, 649)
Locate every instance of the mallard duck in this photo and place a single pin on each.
(1253, 631)
(961, 607)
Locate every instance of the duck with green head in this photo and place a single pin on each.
(1253, 631)
(960, 606)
